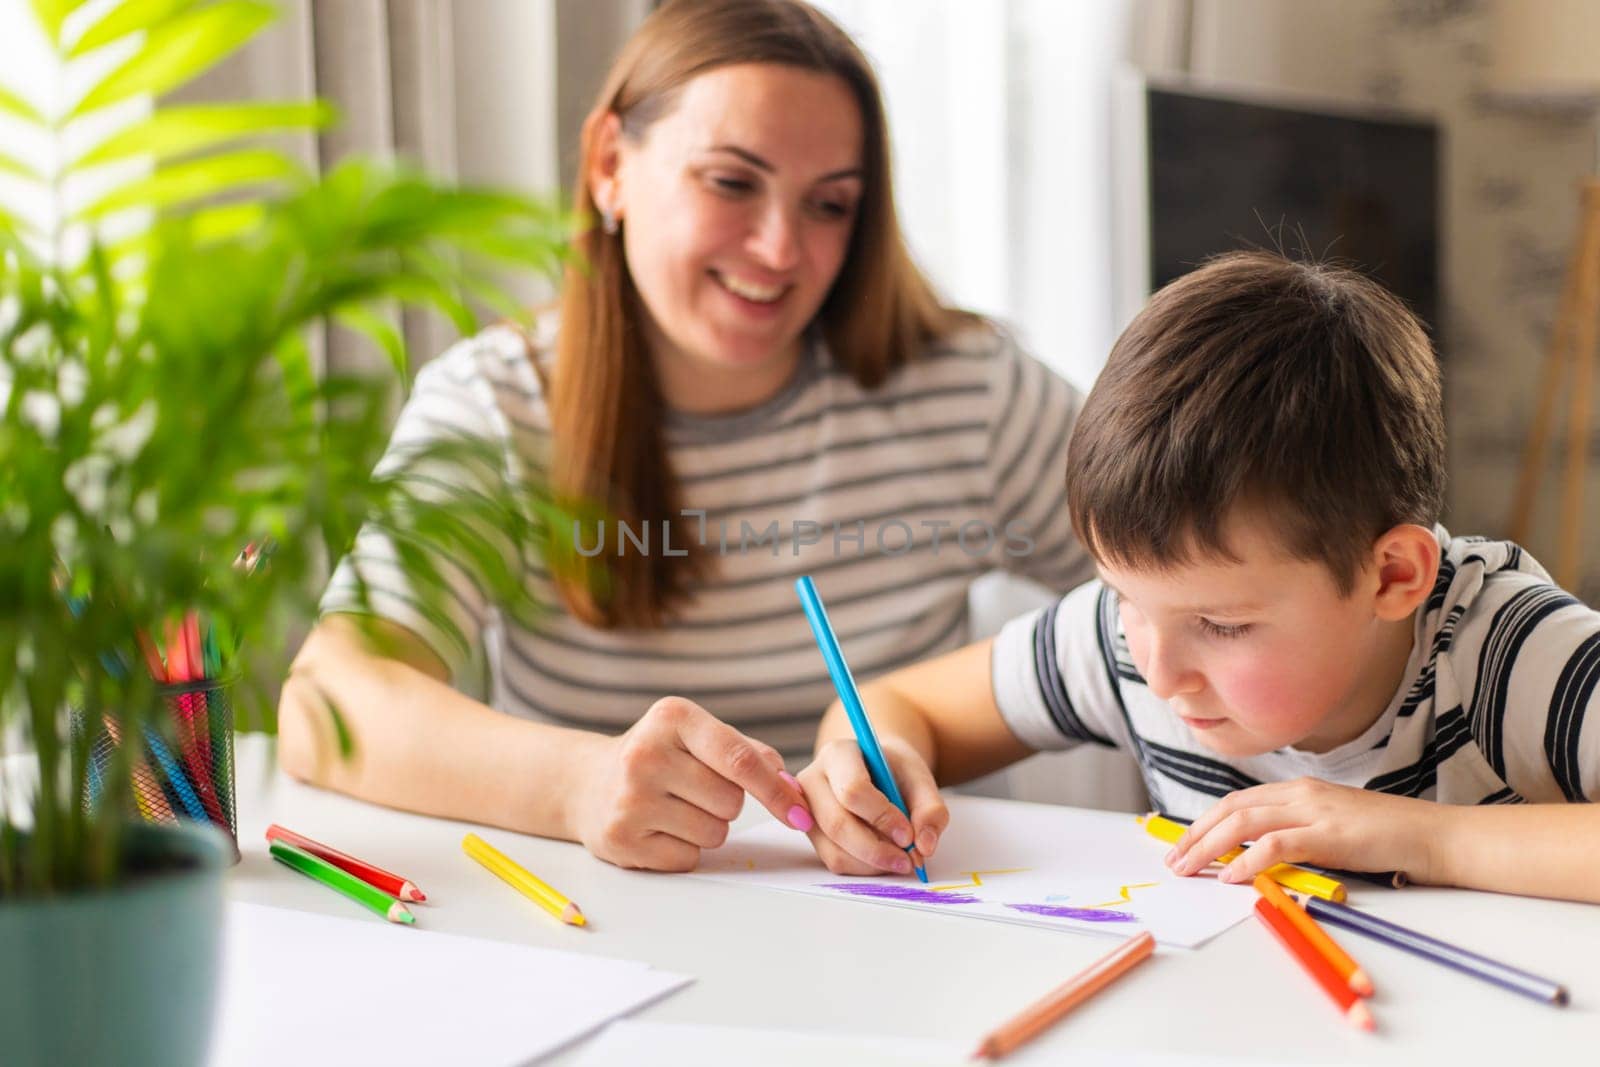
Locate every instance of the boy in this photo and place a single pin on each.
(1294, 651)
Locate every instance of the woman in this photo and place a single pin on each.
(749, 372)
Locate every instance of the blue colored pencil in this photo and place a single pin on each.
(845, 686)
(175, 778)
(1507, 977)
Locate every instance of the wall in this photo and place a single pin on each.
(1510, 207)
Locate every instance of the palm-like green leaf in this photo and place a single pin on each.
(380, 331)
(201, 343)
(11, 227)
(13, 104)
(129, 16)
(17, 167)
(51, 14)
(180, 183)
(176, 131)
(178, 50)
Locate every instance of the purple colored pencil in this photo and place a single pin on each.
(1500, 974)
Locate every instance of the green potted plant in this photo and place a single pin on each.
(159, 410)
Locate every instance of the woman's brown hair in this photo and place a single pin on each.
(604, 406)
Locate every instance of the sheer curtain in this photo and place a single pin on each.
(1000, 116)
(999, 112)
(464, 91)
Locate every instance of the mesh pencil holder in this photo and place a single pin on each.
(182, 770)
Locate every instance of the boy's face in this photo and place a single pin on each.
(1262, 654)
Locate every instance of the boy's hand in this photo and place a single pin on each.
(1316, 822)
(858, 831)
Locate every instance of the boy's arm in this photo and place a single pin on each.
(944, 709)
(1543, 850)
(937, 722)
(1536, 850)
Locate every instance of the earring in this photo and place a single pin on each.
(608, 221)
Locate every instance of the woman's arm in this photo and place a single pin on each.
(653, 797)
(419, 744)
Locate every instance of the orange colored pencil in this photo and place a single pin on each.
(152, 657)
(177, 653)
(1049, 1009)
(1350, 1005)
(1349, 970)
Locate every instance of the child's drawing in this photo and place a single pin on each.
(1029, 864)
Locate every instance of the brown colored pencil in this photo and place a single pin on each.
(1051, 1008)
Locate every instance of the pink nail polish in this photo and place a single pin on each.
(902, 864)
(800, 819)
(791, 779)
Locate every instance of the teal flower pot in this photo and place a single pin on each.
(126, 975)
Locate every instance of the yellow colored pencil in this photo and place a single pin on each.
(1309, 882)
(523, 881)
(1287, 875)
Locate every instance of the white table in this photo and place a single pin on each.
(787, 961)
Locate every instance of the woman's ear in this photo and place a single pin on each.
(1406, 559)
(602, 136)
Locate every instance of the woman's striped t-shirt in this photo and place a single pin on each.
(1499, 704)
(894, 499)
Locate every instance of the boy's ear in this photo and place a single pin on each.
(602, 134)
(1406, 559)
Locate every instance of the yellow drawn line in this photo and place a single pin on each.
(976, 879)
(1125, 898)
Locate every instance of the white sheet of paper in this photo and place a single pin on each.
(312, 989)
(1009, 861)
(630, 1043)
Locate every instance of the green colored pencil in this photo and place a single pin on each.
(346, 883)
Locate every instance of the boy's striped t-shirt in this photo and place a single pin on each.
(895, 499)
(1499, 704)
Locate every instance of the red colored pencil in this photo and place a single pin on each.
(191, 646)
(181, 658)
(198, 712)
(387, 881)
(1326, 946)
(1316, 965)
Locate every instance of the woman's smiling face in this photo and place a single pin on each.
(737, 208)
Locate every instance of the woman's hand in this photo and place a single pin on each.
(857, 830)
(1311, 821)
(669, 787)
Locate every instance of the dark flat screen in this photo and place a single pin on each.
(1226, 175)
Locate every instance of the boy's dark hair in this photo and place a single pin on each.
(1306, 391)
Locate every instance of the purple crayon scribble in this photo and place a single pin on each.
(908, 894)
(1088, 915)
